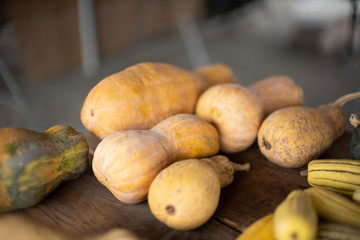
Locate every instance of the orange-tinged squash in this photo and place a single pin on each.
(126, 162)
(143, 95)
(32, 164)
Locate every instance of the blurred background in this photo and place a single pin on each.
(53, 52)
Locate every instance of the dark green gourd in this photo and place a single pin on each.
(355, 137)
(32, 164)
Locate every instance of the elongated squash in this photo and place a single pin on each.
(335, 231)
(142, 95)
(262, 229)
(335, 207)
(295, 218)
(32, 164)
(293, 136)
(339, 175)
(126, 162)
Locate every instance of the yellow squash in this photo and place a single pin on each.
(262, 229)
(186, 194)
(295, 218)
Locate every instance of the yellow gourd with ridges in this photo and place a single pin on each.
(261, 229)
(335, 207)
(339, 175)
(295, 218)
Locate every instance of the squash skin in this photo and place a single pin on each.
(126, 162)
(31, 229)
(142, 95)
(59, 154)
(215, 74)
(138, 98)
(185, 195)
(278, 92)
(237, 112)
(293, 136)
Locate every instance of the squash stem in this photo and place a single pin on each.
(304, 173)
(241, 167)
(346, 98)
(355, 119)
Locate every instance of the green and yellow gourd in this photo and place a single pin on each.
(32, 164)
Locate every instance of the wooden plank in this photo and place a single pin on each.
(256, 193)
(85, 206)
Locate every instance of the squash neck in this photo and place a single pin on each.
(336, 116)
(72, 150)
(225, 169)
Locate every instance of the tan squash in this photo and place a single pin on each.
(143, 95)
(186, 194)
(237, 112)
(20, 227)
(293, 136)
(126, 162)
(215, 74)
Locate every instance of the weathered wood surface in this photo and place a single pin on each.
(87, 207)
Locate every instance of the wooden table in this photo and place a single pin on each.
(87, 207)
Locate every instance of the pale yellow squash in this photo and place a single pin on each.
(237, 112)
(291, 137)
(186, 194)
(21, 227)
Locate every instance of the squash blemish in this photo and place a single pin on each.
(170, 210)
(11, 149)
(266, 144)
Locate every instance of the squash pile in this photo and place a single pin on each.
(162, 130)
(313, 213)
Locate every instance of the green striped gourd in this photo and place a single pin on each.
(32, 164)
(339, 175)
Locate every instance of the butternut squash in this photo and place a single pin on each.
(32, 164)
(186, 194)
(143, 95)
(126, 162)
(291, 137)
(237, 112)
(20, 227)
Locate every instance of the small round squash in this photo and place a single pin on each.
(186, 194)
(167, 197)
